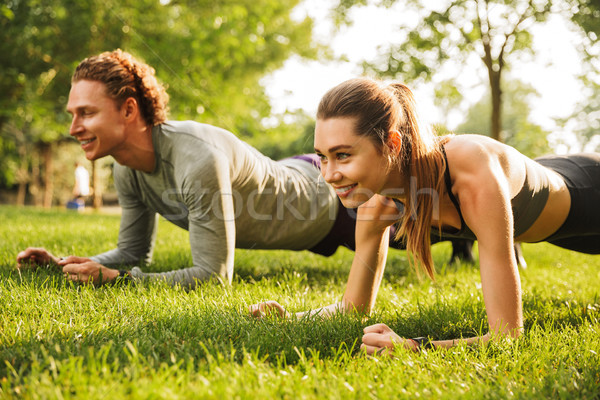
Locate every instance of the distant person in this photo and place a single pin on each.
(374, 150)
(81, 188)
(199, 177)
(82, 181)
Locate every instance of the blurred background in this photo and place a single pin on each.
(525, 72)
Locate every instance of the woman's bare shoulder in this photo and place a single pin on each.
(481, 156)
(471, 142)
(465, 152)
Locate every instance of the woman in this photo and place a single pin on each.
(373, 149)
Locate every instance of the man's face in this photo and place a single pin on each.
(98, 124)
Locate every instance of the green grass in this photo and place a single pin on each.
(62, 340)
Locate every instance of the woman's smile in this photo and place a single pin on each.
(344, 191)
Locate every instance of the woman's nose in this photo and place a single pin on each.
(331, 173)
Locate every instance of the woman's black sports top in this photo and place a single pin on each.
(527, 205)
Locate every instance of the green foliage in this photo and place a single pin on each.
(291, 134)
(59, 340)
(213, 54)
(527, 137)
(585, 119)
(586, 14)
(447, 95)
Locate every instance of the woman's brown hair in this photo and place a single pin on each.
(125, 77)
(379, 109)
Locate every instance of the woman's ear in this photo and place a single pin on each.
(395, 142)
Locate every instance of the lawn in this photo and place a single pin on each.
(64, 340)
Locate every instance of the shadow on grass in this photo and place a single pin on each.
(203, 336)
(206, 333)
(255, 265)
(209, 335)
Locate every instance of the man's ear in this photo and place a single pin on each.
(395, 141)
(130, 108)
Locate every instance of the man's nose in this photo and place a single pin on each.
(75, 126)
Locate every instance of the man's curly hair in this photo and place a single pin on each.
(125, 77)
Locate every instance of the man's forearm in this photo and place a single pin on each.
(119, 257)
(187, 278)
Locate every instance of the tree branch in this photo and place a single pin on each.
(507, 36)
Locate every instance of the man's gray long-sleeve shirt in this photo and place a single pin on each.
(225, 193)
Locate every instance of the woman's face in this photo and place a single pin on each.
(352, 164)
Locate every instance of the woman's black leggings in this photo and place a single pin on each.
(581, 172)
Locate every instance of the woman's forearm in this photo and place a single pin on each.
(326, 311)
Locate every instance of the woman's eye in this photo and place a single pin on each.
(342, 156)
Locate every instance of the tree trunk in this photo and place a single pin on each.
(494, 73)
(496, 105)
(46, 149)
(34, 184)
(22, 176)
(21, 194)
(96, 186)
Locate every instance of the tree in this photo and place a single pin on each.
(495, 30)
(527, 137)
(41, 42)
(212, 56)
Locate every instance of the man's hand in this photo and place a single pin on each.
(81, 269)
(36, 257)
(380, 339)
(265, 308)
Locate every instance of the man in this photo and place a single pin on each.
(199, 177)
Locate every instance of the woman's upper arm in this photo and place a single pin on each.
(484, 195)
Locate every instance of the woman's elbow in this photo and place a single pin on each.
(359, 307)
(505, 332)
